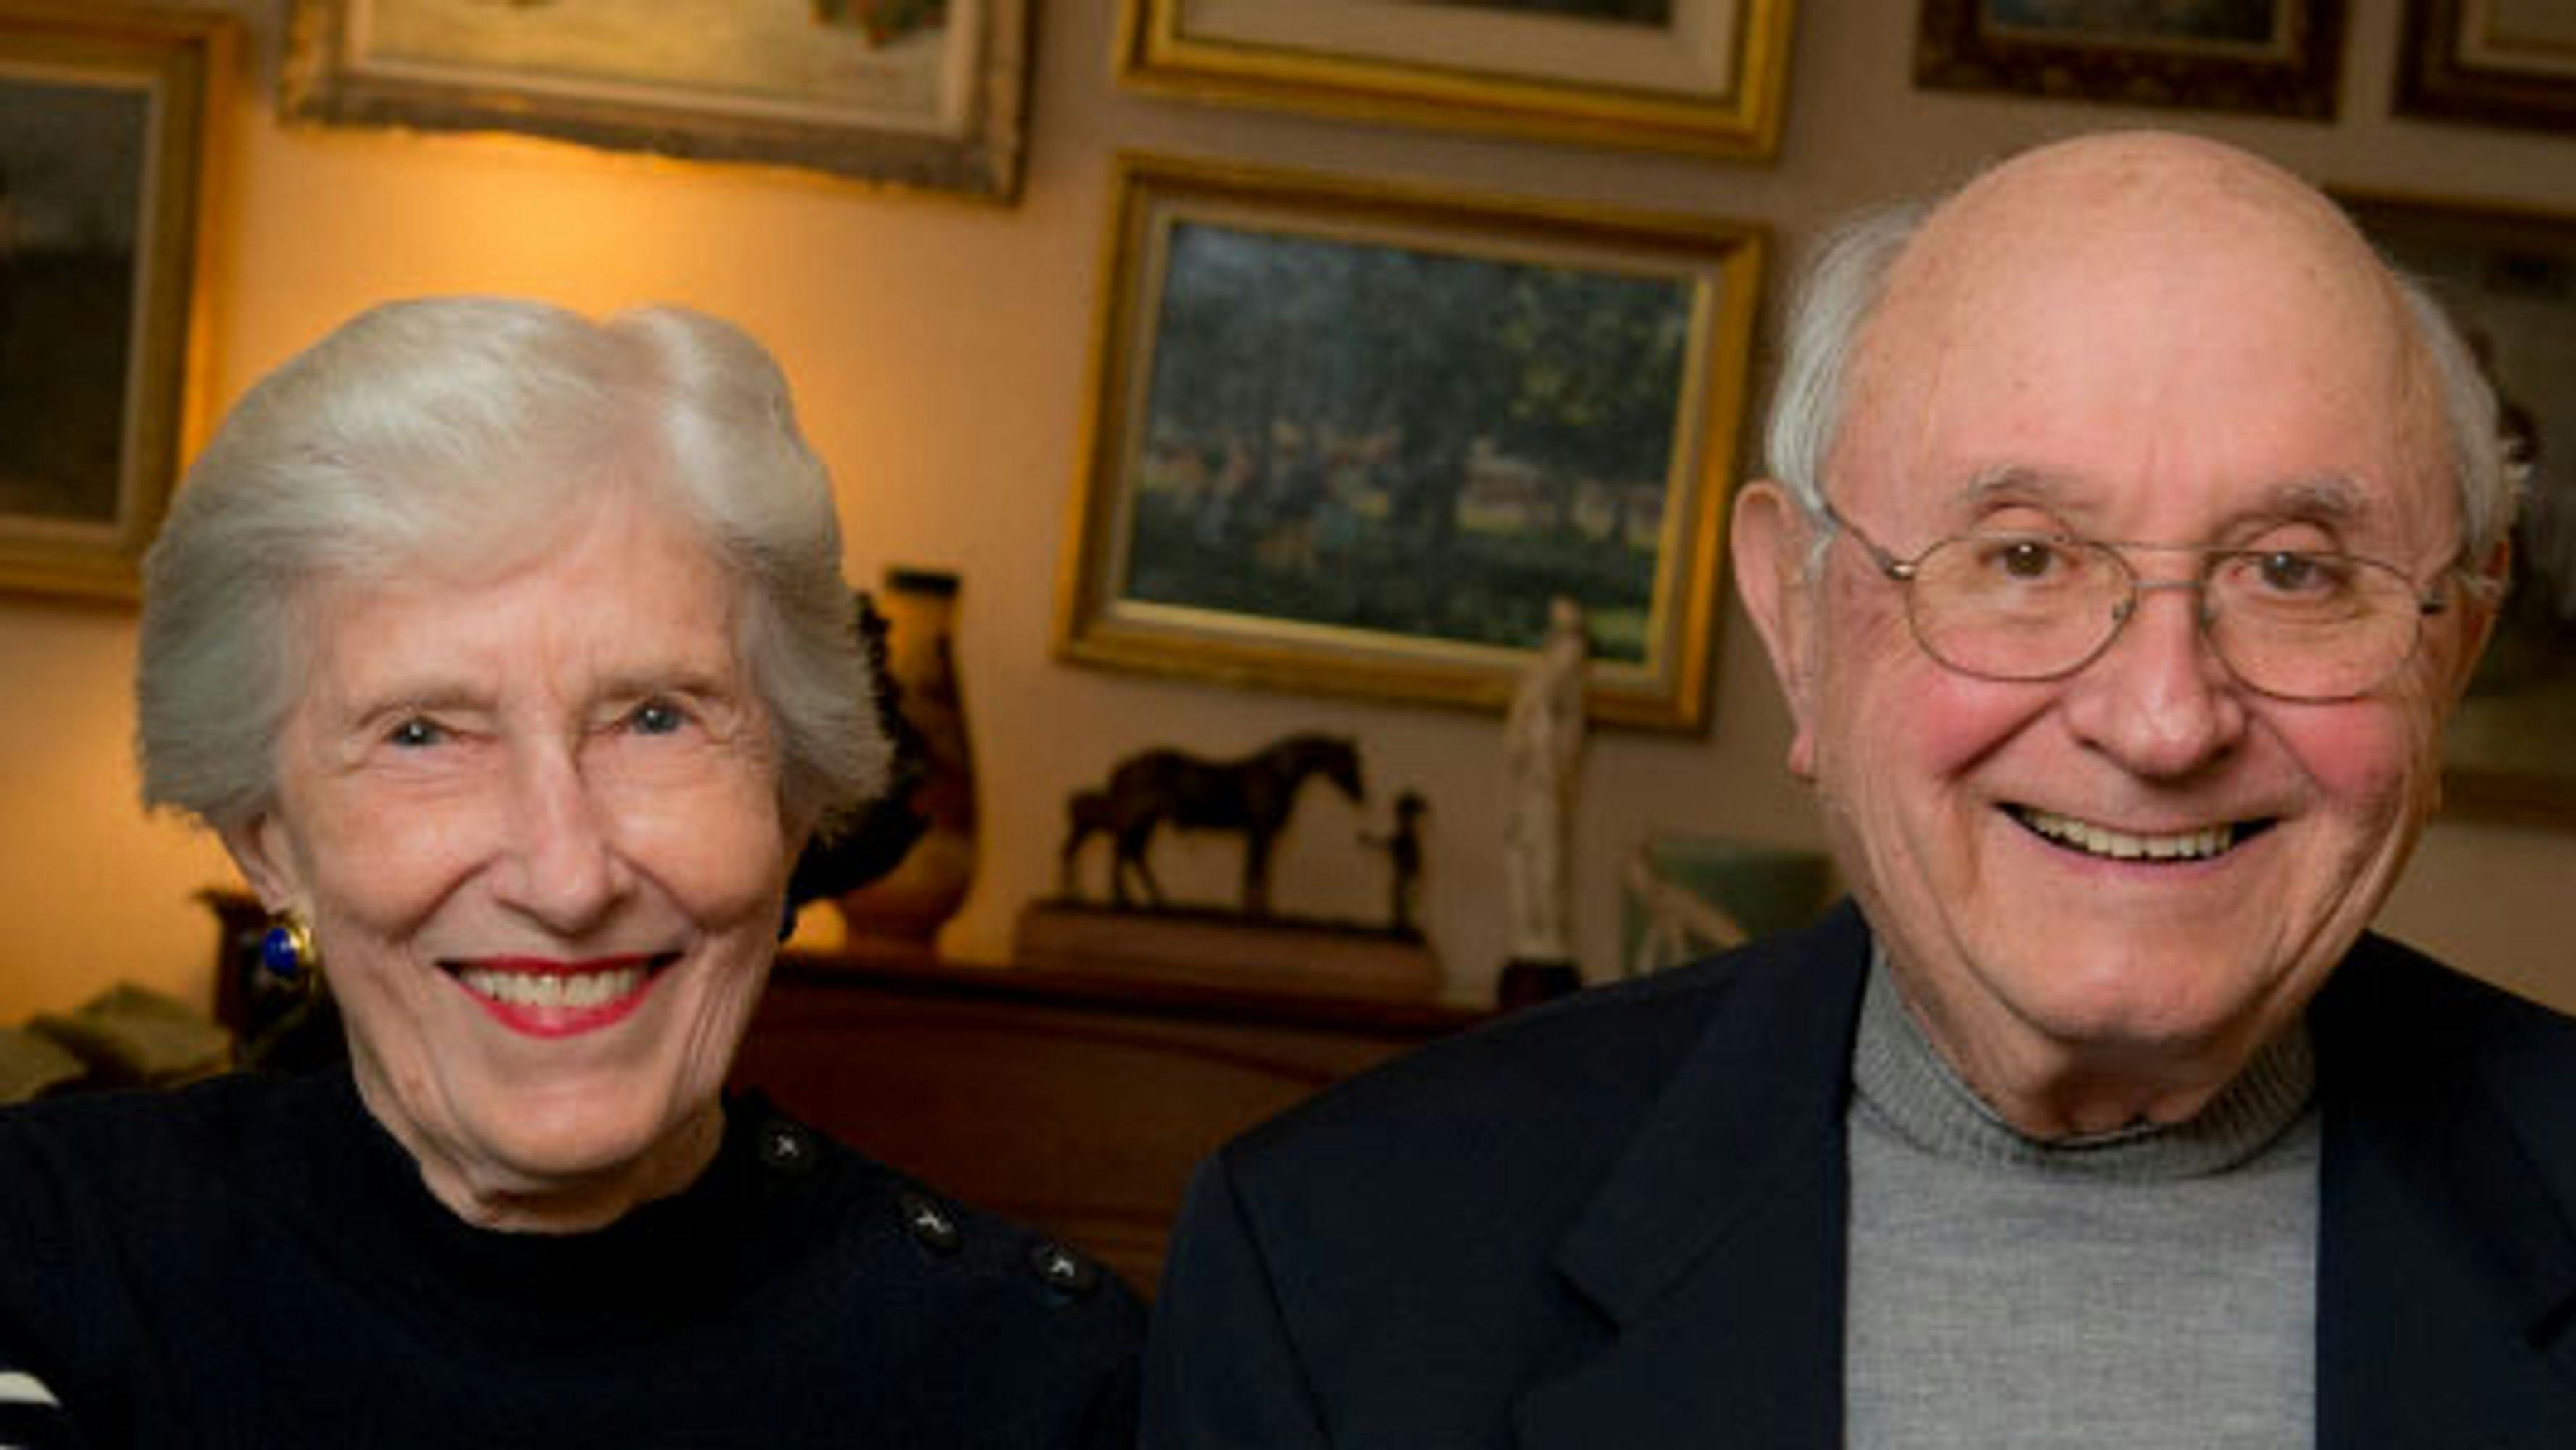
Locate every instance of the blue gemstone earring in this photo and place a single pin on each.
(286, 953)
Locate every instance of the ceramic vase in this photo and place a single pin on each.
(910, 903)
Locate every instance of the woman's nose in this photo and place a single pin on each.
(561, 864)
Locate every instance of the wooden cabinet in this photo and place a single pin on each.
(1072, 1101)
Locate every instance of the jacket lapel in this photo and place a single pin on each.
(2446, 1263)
(2447, 1243)
(1715, 1249)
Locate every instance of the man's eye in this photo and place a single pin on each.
(2022, 560)
(2287, 571)
(415, 734)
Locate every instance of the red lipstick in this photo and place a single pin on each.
(547, 997)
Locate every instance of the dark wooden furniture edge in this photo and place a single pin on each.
(918, 973)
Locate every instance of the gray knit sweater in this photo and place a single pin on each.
(2153, 1287)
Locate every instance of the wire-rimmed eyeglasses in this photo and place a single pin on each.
(2028, 605)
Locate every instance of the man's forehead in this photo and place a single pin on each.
(2135, 205)
(2110, 180)
(2321, 497)
(2184, 307)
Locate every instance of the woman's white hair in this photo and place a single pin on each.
(454, 430)
(1848, 275)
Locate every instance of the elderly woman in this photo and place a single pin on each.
(509, 654)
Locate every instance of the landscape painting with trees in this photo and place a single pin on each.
(1357, 437)
(1399, 440)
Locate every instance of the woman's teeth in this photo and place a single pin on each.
(554, 989)
(2121, 846)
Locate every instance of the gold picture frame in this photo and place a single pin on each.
(2505, 62)
(924, 95)
(107, 125)
(2507, 276)
(1354, 438)
(2270, 57)
(1701, 77)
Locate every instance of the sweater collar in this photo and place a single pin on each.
(1906, 1086)
(665, 1263)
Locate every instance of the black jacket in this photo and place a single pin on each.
(1620, 1221)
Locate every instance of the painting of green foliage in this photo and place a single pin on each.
(1428, 444)
(2247, 22)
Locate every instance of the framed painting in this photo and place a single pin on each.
(1683, 897)
(2509, 279)
(106, 175)
(2506, 61)
(924, 94)
(1703, 77)
(1356, 438)
(2273, 57)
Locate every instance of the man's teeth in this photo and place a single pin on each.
(554, 989)
(2121, 846)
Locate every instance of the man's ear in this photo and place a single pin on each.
(1770, 541)
(2479, 608)
(267, 858)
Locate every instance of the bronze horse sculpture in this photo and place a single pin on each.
(1253, 795)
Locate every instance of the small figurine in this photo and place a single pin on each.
(1086, 814)
(1403, 847)
(1542, 753)
(1253, 796)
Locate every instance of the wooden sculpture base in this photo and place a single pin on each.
(1222, 948)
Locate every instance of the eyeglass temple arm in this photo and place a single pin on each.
(1888, 564)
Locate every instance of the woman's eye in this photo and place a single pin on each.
(656, 717)
(415, 734)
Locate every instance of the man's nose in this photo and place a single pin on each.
(2159, 701)
(561, 864)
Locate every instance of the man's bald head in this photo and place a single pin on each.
(2144, 203)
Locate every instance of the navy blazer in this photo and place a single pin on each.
(1620, 1220)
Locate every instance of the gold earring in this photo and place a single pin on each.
(287, 952)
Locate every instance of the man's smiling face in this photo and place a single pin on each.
(2143, 870)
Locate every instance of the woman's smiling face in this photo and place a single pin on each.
(532, 814)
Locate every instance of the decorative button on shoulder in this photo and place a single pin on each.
(787, 1147)
(1062, 1269)
(933, 1225)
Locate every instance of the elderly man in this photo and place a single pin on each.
(2132, 532)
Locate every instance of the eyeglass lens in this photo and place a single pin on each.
(2301, 625)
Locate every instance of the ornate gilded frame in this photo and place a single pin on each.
(1709, 80)
(116, 420)
(1966, 45)
(1702, 274)
(2460, 62)
(950, 119)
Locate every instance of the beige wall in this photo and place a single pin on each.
(938, 350)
